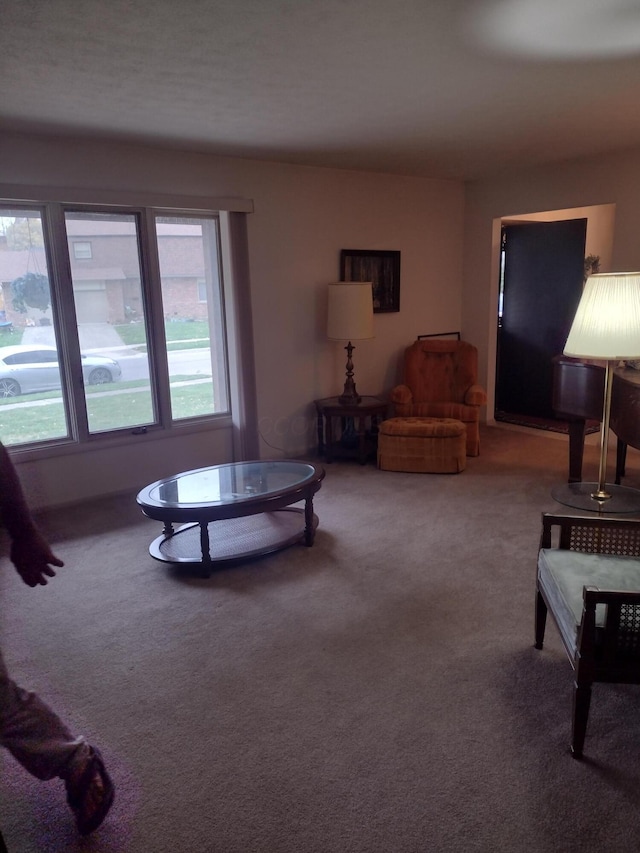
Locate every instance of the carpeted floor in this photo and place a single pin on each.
(376, 693)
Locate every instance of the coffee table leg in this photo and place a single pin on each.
(309, 530)
(328, 445)
(204, 546)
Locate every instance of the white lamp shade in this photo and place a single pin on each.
(350, 311)
(607, 322)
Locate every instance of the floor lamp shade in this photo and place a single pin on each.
(606, 326)
(350, 318)
(607, 322)
(350, 311)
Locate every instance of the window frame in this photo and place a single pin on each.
(58, 254)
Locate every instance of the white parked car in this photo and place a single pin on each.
(27, 369)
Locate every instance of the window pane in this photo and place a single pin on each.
(192, 307)
(82, 251)
(31, 402)
(107, 292)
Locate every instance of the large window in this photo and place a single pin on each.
(127, 336)
(192, 307)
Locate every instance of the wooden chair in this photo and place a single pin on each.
(589, 580)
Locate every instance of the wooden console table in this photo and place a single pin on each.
(350, 430)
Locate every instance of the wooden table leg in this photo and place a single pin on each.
(576, 450)
(309, 529)
(621, 460)
(362, 433)
(204, 546)
(329, 438)
(320, 428)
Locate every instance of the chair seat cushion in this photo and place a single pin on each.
(457, 411)
(428, 427)
(562, 574)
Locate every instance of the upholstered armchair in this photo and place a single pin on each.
(440, 381)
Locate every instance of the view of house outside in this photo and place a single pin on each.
(108, 297)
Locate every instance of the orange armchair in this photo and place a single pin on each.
(440, 381)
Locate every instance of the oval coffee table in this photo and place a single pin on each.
(232, 512)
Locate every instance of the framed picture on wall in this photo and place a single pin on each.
(380, 268)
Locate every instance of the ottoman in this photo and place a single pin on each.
(422, 445)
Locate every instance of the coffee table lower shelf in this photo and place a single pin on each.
(232, 539)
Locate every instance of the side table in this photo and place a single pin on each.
(349, 430)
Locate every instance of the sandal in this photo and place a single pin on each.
(89, 802)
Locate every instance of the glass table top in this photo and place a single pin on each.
(228, 484)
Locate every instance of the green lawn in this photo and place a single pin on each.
(187, 335)
(127, 404)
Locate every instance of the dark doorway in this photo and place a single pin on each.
(541, 283)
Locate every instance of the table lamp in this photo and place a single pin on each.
(606, 327)
(350, 318)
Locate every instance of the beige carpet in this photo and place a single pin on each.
(377, 693)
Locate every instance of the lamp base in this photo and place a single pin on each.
(579, 495)
(349, 396)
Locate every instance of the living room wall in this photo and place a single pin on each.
(603, 180)
(302, 218)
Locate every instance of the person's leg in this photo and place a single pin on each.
(34, 734)
(44, 746)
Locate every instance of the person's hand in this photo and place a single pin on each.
(33, 559)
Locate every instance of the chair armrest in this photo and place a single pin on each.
(401, 394)
(620, 634)
(475, 396)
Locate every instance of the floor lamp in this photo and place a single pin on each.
(606, 327)
(350, 318)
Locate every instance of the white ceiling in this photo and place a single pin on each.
(443, 88)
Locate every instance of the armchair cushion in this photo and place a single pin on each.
(458, 411)
(440, 370)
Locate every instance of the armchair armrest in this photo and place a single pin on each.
(475, 396)
(401, 394)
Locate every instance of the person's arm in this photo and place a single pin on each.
(30, 553)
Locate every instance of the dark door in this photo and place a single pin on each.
(543, 269)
